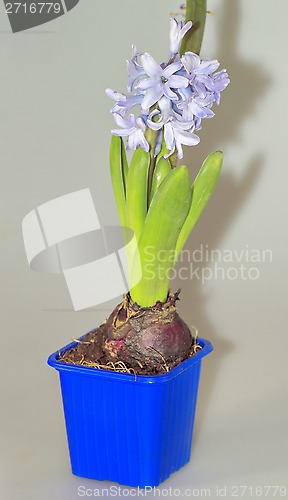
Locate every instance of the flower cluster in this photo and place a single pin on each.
(173, 97)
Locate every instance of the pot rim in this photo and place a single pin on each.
(53, 361)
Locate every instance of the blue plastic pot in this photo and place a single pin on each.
(131, 430)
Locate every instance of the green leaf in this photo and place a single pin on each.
(118, 170)
(165, 218)
(202, 189)
(136, 191)
(162, 168)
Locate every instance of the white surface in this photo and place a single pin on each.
(32, 236)
(131, 250)
(55, 126)
(68, 216)
(95, 282)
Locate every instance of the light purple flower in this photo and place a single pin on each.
(176, 130)
(177, 31)
(165, 114)
(133, 128)
(181, 92)
(201, 77)
(196, 106)
(219, 83)
(135, 70)
(123, 102)
(159, 81)
(196, 67)
(174, 137)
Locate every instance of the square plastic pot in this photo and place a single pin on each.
(133, 430)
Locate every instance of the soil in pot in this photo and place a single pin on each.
(142, 341)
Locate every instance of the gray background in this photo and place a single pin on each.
(55, 123)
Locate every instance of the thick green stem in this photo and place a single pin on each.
(195, 12)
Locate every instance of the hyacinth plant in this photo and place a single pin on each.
(162, 111)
